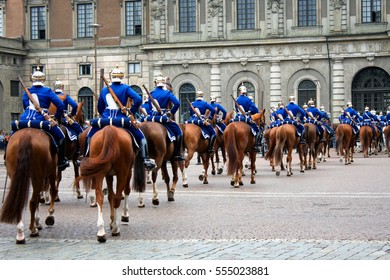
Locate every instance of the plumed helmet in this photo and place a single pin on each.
(366, 108)
(322, 108)
(291, 98)
(242, 89)
(38, 78)
(117, 75)
(304, 106)
(373, 112)
(199, 94)
(280, 104)
(212, 98)
(159, 81)
(58, 86)
(349, 104)
(310, 103)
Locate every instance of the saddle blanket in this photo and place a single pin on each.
(241, 118)
(163, 120)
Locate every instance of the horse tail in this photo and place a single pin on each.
(281, 138)
(103, 162)
(271, 149)
(365, 140)
(231, 148)
(339, 137)
(139, 181)
(20, 184)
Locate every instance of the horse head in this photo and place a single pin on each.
(259, 118)
(79, 117)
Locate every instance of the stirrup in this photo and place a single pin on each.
(257, 149)
(149, 164)
(179, 158)
(63, 165)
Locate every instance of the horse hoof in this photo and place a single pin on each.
(314, 167)
(101, 239)
(49, 220)
(253, 182)
(105, 191)
(39, 227)
(149, 182)
(185, 185)
(116, 233)
(200, 177)
(141, 205)
(155, 201)
(302, 171)
(288, 174)
(34, 234)
(205, 182)
(42, 200)
(220, 171)
(57, 199)
(23, 241)
(212, 172)
(241, 183)
(237, 186)
(232, 183)
(80, 196)
(277, 173)
(171, 198)
(93, 205)
(125, 219)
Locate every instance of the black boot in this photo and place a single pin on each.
(63, 162)
(322, 138)
(257, 143)
(211, 144)
(303, 140)
(77, 153)
(148, 163)
(177, 150)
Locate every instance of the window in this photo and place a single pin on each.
(185, 91)
(86, 95)
(187, 15)
(245, 14)
(371, 11)
(133, 18)
(84, 21)
(85, 69)
(134, 68)
(38, 23)
(307, 13)
(306, 90)
(250, 90)
(15, 88)
(15, 116)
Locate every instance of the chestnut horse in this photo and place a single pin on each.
(161, 150)
(270, 138)
(286, 138)
(239, 141)
(112, 154)
(31, 156)
(324, 147)
(345, 142)
(310, 150)
(386, 133)
(366, 135)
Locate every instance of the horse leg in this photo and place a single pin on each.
(20, 238)
(213, 172)
(301, 159)
(155, 199)
(149, 176)
(205, 160)
(53, 194)
(76, 175)
(289, 162)
(175, 178)
(98, 183)
(184, 176)
(115, 202)
(253, 167)
(34, 204)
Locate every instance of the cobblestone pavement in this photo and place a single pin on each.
(325, 240)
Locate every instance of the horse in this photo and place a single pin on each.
(366, 134)
(270, 138)
(310, 150)
(286, 138)
(324, 147)
(112, 154)
(161, 150)
(239, 141)
(345, 142)
(31, 157)
(71, 148)
(386, 133)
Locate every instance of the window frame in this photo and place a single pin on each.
(247, 27)
(132, 17)
(362, 7)
(181, 28)
(134, 63)
(38, 8)
(84, 65)
(86, 30)
(308, 22)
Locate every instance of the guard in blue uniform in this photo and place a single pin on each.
(108, 108)
(325, 119)
(314, 116)
(351, 117)
(74, 127)
(164, 97)
(203, 122)
(249, 108)
(219, 109)
(298, 115)
(376, 121)
(44, 96)
(368, 119)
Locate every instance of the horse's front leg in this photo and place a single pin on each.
(205, 161)
(289, 163)
(175, 179)
(20, 238)
(253, 167)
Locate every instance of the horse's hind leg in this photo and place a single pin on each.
(155, 199)
(125, 211)
(34, 204)
(98, 183)
(53, 195)
(175, 178)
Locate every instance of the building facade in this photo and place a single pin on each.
(329, 50)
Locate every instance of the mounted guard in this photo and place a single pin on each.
(350, 116)
(219, 120)
(295, 116)
(314, 116)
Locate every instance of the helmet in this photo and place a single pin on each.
(349, 104)
(373, 112)
(280, 104)
(291, 98)
(311, 103)
(366, 108)
(305, 106)
(38, 78)
(242, 89)
(322, 108)
(212, 98)
(58, 86)
(199, 94)
(159, 81)
(117, 75)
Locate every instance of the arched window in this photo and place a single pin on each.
(306, 90)
(371, 87)
(250, 89)
(137, 89)
(86, 95)
(186, 91)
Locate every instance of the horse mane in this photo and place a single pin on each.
(79, 117)
(259, 118)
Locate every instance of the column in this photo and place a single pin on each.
(215, 81)
(275, 94)
(338, 98)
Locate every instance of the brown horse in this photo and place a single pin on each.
(161, 150)
(310, 150)
(239, 141)
(286, 138)
(270, 138)
(324, 147)
(30, 157)
(366, 135)
(386, 133)
(193, 141)
(345, 142)
(112, 154)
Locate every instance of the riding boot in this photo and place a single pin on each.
(303, 140)
(322, 138)
(177, 149)
(211, 144)
(77, 153)
(148, 163)
(257, 143)
(63, 162)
